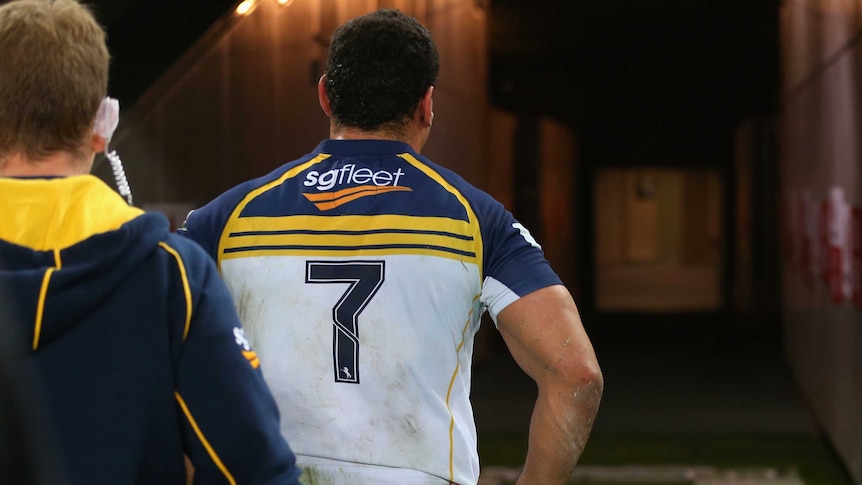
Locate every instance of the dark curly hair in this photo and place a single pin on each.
(380, 65)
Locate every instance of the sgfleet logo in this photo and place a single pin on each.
(245, 347)
(362, 181)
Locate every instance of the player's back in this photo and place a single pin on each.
(357, 272)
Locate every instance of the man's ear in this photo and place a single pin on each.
(323, 97)
(98, 144)
(426, 107)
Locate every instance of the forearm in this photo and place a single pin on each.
(561, 423)
(544, 333)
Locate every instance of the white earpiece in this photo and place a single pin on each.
(107, 119)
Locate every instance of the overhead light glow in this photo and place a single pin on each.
(284, 2)
(246, 7)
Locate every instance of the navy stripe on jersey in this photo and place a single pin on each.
(352, 247)
(377, 231)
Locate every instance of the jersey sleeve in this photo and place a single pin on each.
(514, 264)
(231, 422)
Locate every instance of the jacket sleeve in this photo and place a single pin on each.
(231, 423)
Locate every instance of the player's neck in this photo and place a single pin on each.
(57, 164)
(410, 135)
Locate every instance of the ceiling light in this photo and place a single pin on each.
(246, 7)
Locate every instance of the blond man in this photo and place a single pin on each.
(140, 354)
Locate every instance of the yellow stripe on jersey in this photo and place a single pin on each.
(351, 222)
(186, 288)
(43, 296)
(471, 215)
(254, 193)
(338, 236)
(358, 239)
(449, 392)
(213, 455)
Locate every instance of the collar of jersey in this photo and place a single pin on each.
(55, 213)
(364, 147)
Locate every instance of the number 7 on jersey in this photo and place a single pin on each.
(364, 279)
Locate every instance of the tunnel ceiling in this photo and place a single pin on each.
(579, 60)
(146, 37)
(660, 70)
(632, 60)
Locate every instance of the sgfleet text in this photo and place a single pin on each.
(350, 174)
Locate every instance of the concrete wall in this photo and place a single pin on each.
(243, 99)
(821, 181)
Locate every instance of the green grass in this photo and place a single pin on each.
(810, 456)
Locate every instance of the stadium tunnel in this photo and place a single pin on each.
(690, 167)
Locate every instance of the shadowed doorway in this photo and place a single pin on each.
(659, 239)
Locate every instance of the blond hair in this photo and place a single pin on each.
(53, 75)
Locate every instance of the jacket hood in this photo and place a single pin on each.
(66, 244)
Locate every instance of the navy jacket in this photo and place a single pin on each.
(136, 342)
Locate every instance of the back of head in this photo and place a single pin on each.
(54, 74)
(380, 65)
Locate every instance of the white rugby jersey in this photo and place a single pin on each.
(360, 272)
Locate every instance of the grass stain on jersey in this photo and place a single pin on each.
(312, 477)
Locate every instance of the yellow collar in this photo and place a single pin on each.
(48, 214)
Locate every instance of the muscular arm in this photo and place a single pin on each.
(545, 336)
